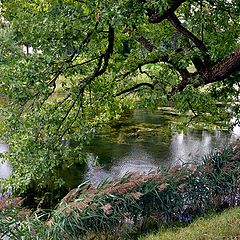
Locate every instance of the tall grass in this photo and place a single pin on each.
(136, 203)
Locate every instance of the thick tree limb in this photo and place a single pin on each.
(189, 35)
(220, 71)
(179, 87)
(223, 69)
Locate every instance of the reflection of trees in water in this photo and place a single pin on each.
(137, 160)
(140, 144)
(151, 152)
(194, 144)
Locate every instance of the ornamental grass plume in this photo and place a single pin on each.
(137, 202)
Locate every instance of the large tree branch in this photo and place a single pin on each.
(189, 35)
(156, 17)
(223, 69)
(220, 71)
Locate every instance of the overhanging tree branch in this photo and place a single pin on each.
(103, 60)
(131, 89)
(172, 18)
(223, 69)
(220, 71)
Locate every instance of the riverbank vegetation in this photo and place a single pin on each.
(134, 204)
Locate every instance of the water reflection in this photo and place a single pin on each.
(195, 144)
(5, 169)
(141, 143)
(143, 152)
(137, 160)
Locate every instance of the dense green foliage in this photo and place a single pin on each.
(66, 66)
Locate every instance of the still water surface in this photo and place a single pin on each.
(140, 142)
(146, 141)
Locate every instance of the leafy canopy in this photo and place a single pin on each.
(67, 65)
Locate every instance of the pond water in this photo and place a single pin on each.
(145, 141)
(139, 142)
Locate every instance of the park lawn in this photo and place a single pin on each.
(215, 226)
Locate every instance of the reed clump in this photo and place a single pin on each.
(138, 202)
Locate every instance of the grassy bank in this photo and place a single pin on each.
(215, 226)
